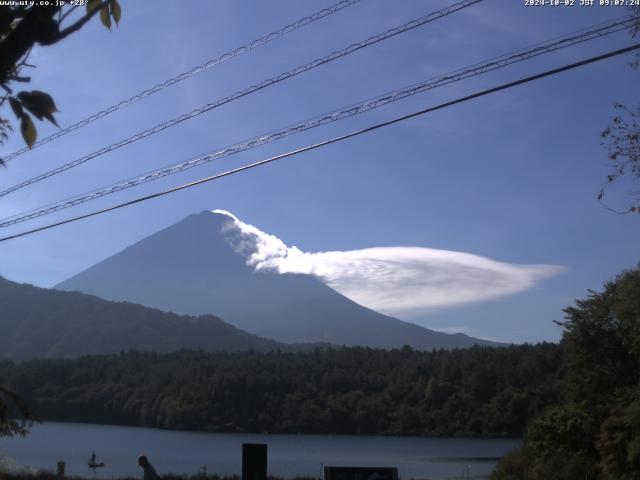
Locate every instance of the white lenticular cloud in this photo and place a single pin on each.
(392, 280)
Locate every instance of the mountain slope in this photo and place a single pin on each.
(192, 268)
(36, 322)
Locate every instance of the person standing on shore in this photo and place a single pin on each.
(149, 471)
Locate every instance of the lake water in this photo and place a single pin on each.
(288, 455)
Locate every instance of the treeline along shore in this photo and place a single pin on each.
(477, 392)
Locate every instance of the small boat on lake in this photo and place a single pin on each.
(93, 462)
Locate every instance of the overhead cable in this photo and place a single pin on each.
(324, 143)
(188, 74)
(247, 91)
(346, 112)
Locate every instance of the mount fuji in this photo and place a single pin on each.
(205, 264)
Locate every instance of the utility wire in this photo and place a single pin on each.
(340, 138)
(188, 74)
(254, 88)
(584, 35)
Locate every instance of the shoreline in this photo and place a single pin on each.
(236, 432)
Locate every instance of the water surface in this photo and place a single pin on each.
(288, 455)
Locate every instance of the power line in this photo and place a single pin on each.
(188, 74)
(584, 35)
(340, 138)
(254, 88)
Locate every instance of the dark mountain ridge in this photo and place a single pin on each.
(38, 322)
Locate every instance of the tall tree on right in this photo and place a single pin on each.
(621, 138)
(595, 431)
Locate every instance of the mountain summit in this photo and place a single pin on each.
(201, 265)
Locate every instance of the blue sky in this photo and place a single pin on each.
(511, 177)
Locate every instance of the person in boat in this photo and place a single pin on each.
(149, 471)
(93, 462)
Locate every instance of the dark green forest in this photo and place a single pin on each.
(594, 432)
(481, 391)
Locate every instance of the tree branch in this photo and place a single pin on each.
(66, 14)
(80, 23)
(38, 26)
(16, 78)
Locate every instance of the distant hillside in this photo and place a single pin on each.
(36, 322)
(193, 267)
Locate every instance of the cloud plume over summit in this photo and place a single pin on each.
(392, 280)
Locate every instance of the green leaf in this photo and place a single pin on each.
(47, 99)
(28, 130)
(51, 118)
(40, 104)
(116, 11)
(16, 106)
(92, 5)
(104, 17)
